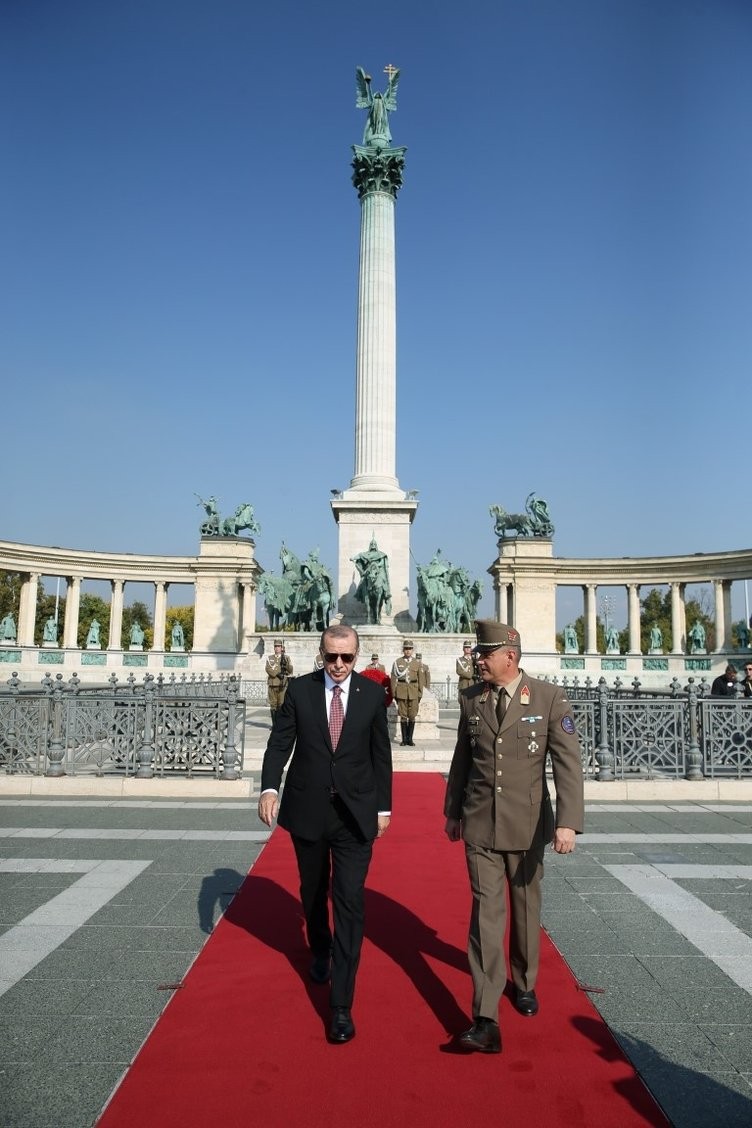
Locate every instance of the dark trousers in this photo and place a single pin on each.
(343, 855)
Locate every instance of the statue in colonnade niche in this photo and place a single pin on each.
(93, 640)
(656, 639)
(697, 638)
(571, 646)
(177, 636)
(137, 635)
(374, 589)
(612, 641)
(8, 632)
(49, 631)
(742, 637)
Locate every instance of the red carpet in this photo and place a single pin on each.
(243, 1043)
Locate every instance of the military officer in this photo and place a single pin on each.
(407, 690)
(497, 801)
(278, 673)
(425, 672)
(465, 667)
(374, 664)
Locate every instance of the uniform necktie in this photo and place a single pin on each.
(336, 716)
(501, 704)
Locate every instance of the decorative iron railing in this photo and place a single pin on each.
(157, 727)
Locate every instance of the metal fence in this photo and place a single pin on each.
(629, 732)
(158, 727)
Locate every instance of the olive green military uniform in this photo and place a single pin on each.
(497, 788)
(407, 690)
(465, 667)
(278, 673)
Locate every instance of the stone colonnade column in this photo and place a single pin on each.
(633, 618)
(27, 609)
(72, 607)
(116, 615)
(591, 635)
(160, 614)
(678, 625)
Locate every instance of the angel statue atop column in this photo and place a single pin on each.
(376, 134)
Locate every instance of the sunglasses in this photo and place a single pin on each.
(346, 658)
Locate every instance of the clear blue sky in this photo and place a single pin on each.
(178, 269)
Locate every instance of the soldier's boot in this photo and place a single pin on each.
(403, 730)
(410, 731)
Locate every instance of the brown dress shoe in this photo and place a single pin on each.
(484, 1036)
(526, 1002)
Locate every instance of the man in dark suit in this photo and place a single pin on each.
(337, 800)
(497, 801)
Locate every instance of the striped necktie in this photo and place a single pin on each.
(336, 716)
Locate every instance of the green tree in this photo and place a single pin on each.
(184, 616)
(10, 594)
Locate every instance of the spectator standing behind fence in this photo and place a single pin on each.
(747, 682)
(278, 674)
(725, 684)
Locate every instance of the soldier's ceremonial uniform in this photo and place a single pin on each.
(465, 667)
(278, 673)
(407, 690)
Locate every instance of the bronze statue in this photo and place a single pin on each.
(377, 134)
(374, 589)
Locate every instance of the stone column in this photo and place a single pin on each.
(160, 614)
(591, 634)
(723, 621)
(115, 641)
(72, 605)
(375, 506)
(633, 613)
(678, 622)
(27, 609)
(247, 614)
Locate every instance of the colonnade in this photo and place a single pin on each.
(527, 577)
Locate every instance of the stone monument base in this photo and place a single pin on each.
(47, 644)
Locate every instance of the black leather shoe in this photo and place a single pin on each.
(526, 1003)
(341, 1028)
(484, 1036)
(320, 970)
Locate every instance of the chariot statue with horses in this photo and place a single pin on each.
(241, 520)
(534, 522)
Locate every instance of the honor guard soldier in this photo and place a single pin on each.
(318, 661)
(466, 669)
(407, 689)
(374, 664)
(425, 673)
(278, 674)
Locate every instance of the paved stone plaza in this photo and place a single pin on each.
(105, 904)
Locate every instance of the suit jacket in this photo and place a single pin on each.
(360, 769)
(497, 782)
